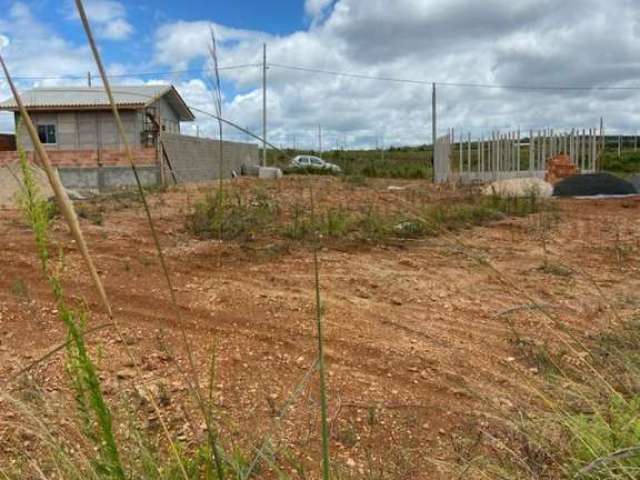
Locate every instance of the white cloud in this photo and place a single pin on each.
(108, 16)
(118, 29)
(4, 41)
(178, 43)
(316, 9)
(37, 50)
(529, 42)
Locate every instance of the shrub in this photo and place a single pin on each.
(229, 216)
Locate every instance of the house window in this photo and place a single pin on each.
(47, 133)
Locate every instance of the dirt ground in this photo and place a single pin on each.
(419, 339)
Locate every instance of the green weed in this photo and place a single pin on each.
(97, 416)
(225, 215)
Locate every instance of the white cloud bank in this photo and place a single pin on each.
(528, 42)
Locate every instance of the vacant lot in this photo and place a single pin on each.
(428, 334)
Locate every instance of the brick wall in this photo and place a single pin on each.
(7, 142)
(88, 158)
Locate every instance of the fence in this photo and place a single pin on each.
(192, 159)
(509, 155)
(442, 159)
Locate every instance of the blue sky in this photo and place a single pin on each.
(456, 41)
(276, 18)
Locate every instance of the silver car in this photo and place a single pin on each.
(316, 163)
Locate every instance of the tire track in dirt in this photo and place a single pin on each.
(411, 326)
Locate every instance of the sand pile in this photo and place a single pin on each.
(519, 187)
(11, 184)
(593, 184)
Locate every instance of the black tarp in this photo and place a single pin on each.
(592, 184)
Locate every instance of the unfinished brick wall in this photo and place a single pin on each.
(88, 158)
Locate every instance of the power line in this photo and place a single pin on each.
(351, 75)
(453, 84)
(495, 86)
(139, 74)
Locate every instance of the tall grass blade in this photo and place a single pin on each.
(326, 463)
(194, 383)
(85, 375)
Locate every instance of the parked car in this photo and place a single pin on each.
(314, 163)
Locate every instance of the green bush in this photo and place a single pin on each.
(225, 215)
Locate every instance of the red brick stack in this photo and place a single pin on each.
(560, 167)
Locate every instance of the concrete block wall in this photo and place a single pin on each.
(107, 178)
(196, 159)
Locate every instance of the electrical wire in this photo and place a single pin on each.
(454, 84)
(495, 86)
(139, 74)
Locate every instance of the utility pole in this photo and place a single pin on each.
(89, 78)
(264, 105)
(320, 140)
(434, 127)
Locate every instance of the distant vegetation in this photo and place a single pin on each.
(393, 162)
(415, 162)
(628, 162)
